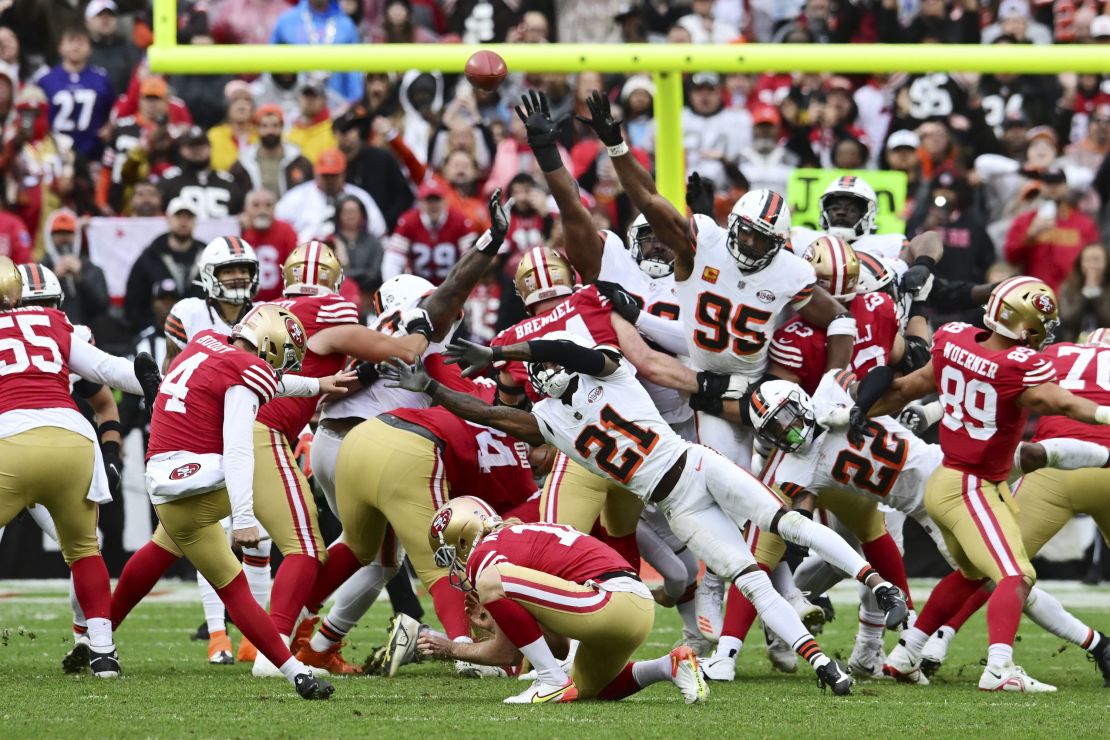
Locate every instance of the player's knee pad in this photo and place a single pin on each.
(757, 588)
(793, 527)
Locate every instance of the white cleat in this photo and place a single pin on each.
(709, 603)
(934, 652)
(719, 667)
(473, 670)
(400, 649)
(687, 676)
(867, 658)
(545, 693)
(781, 655)
(1012, 678)
(900, 666)
(812, 616)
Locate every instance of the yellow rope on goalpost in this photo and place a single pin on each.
(666, 63)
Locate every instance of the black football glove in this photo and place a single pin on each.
(146, 371)
(500, 218)
(601, 120)
(409, 377)
(699, 195)
(624, 304)
(707, 404)
(367, 373)
(858, 427)
(113, 465)
(470, 357)
(541, 130)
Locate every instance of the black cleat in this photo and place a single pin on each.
(201, 633)
(1101, 658)
(825, 603)
(310, 687)
(831, 675)
(77, 659)
(105, 665)
(929, 667)
(892, 601)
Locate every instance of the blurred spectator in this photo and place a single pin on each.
(935, 22)
(817, 21)
(637, 100)
(531, 223)
(80, 95)
(245, 21)
(484, 21)
(237, 132)
(83, 284)
(397, 26)
(1084, 295)
(9, 84)
(712, 134)
(704, 28)
(11, 54)
(430, 238)
(421, 97)
(460, 172)
(1045, 241)
(271, 162)
(948, 210)
(171, 256)
(310, 207)
(1090, 150)
(920, 98)
(359, 251)
(140, 147)
(462, 128)
(586, 21)
(112, 51)
(849, 153)
(1014, 20)
(321, 22)
(273, 241)
(145, 201)
(901, 156)
(1031, 98)
(210, 193)
(15, 240)
(195, 90)
(631, 22)
(311, 131)
(372, 168)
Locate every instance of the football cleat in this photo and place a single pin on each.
(310, 687)
(400, 649)
(719, 667)
(330, 660)
(781, 655)
(709, 603)
(1012, 678)
(546, 693)
(1101, 657)
(473, 670)
(892, 601)
(247, 652)
(77, 659)
(812, 616)
(831, 675)
(303, 633)
(826, 605)
(867, 658)
(106, 665)
(699, 644)
(687, 676)
(901, 666)
(219, 648)
(201, 633)
(934, 652)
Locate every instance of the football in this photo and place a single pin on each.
(486, 70)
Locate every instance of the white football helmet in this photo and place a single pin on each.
(400, 291)
(653, 257)
(219, 253)
(782, 414)
(40, 286)
(852, 187)
(1098, 338)
(758, 214)
(554, 381)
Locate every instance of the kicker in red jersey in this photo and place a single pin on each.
(555, 549)
(979, 389)
(1085, 371)
(34, 359)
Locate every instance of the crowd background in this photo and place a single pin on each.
(116, 177)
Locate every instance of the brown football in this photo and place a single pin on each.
(486, 70)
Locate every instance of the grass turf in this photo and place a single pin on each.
(168, 690)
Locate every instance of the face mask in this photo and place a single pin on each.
(196, 166)
(270, 141)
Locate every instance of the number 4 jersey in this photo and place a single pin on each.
(555, 549)
(979, 389)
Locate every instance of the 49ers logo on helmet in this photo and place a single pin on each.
(185, 471)
(296, 333)
(1044, 303)
(440, 522)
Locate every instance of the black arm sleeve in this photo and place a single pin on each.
(86, 388)
(873, 386)
(951, 295)
(568, 354)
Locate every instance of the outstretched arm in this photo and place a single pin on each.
(824, 312)
(917, 384)
(1051, 399)
(573, 357)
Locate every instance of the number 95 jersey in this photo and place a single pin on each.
(979, 388)
(728, 315)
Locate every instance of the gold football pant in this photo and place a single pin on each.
(610, 625)
(53, 467)
(975, 517)
(190, 527)
(387, 476)
(1049, 498)
(282, 497)
(858, 514)
(574, 496)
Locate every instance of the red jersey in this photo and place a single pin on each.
(800, 346)
(479, 461)
(524, 233)
(316, 312)
(188, 415)
(555, 549)
(431, 251)
(272, 246)
(15, 240)
(979, 390)
(585, 312)
(1085, 371)
(34, 359)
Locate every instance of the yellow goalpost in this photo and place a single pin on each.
(666, 63)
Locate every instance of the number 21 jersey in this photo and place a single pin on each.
(979, 388)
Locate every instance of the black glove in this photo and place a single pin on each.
(500, 217)
(858, 427)
(113, 465)
(607, 128)
(707, 404)
(918, 276)
(541, 130)
(410, 377)
(624, 304)
(699, 195)
(367, 373)
(146, 371)
(471, 357)
(916, 355)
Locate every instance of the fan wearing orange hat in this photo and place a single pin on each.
(83, 283)
(310, 207)
(271, 162)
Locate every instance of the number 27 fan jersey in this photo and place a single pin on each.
(728, 315)
(979, 389)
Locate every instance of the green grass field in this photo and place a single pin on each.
(168, 690)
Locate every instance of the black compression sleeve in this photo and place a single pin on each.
(873, 386)
(573, 357)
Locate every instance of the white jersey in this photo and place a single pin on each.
(730, 316)
(660, 298)
(190, 316)
(890, 467)
(611, 427)
(85, 333)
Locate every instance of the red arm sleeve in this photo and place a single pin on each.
(1016, 250)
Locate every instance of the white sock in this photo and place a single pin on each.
(1049, 614)
(291, 668)
(647, 672)
(999, 654)
(213, 607)
(775, 612)
(547, 667)
(100, 634)
(793, 527)
(871, 624)
(728, 647)
(689, 614)
(914, 639)
(259, 576)
(357, 594)
(783, 580)
(75, 606)
(1069, 454)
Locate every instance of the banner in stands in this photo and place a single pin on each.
(803, 191)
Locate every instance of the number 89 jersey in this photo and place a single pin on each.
(611, 427)
(728, 315)
(979, 388)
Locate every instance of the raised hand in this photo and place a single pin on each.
(607, 128)
(699, 194)
(535, 113)
(410, 377)
(624, 304)
(500, 218)
(471, 357)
